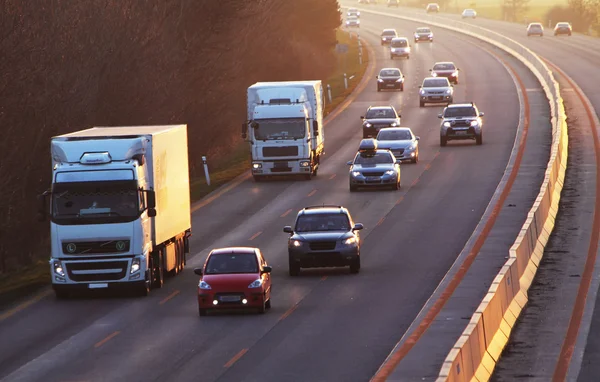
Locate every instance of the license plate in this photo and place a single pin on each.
(460, 132)
(436, 97)
(230, 298)
(280, 164)
(98, 286)
(372, 179)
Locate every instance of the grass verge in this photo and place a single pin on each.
(16, 284)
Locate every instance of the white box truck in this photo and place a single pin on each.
(285, 128)
(119, 208)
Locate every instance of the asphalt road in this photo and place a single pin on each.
(325, 325)
(554, 290)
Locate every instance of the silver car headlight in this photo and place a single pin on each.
(422, 92)
(256, 165)
(447, 124)
(454, 74)
(394, 124)
(448, 91)
(474, 123)
(389, 172)
(355, 173)
(400, 80)
(434, 74)
(379, 80)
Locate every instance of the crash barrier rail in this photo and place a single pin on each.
(474, 356)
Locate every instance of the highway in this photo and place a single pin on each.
(558, 333)
(325, 325)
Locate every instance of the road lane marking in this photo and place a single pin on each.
(415, 182)
(402, 349)
(235, 358)
(288, 312)
(570, 339)
(400, 199)
(332, 176)
(169, 297)
(312, 193)
(108, 338)
(427, 166)
(26, 304)
(285, 213)
(380, 221)
(255, 235)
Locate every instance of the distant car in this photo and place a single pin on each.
(353, 12)
(436, 90)
(423, 34)
(323, 236)
(535, 29)
(432, 8)
(401, 142)
(390, 78)
(399, 47)
(445, 69)
(563, 28)
(461, 121)
(364, 1)
(387, 35)
(352, 22)
(374, 167)
(235, 277)
(378, 117)
(469, 13)
(393, 3)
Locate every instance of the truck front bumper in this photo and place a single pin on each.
(282, 167)
(98, 273)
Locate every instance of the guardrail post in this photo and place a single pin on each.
(360, 58)
(345, 81)
(329, 93)
(206, 170)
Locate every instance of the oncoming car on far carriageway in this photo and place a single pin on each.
(234, 278)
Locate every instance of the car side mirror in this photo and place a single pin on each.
(349, 163)
(377, 77)
(244, 126)
(481, 114)
(288, 229)
(151, 212)
(358, 227)
(266, 269)
(316, 128)
(362, 117)
(198, 271)
(150, 199)
(431, 70)
(418, 138)
(440, 116)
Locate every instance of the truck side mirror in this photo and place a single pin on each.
(254, 125)
(150, 199)
(316, 128)
(151, 212)
(41, 209)
(244, 131)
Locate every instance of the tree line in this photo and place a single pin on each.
(68, 65)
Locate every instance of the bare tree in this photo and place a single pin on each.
(513, 9)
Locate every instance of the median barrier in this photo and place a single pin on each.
(475, 354)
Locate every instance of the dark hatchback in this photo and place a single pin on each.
(390, 78)
(323, 236)
(377, 118)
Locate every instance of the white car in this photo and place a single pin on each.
(353, 22)
(469, 13)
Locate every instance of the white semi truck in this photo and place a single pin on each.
(285, 128)
(119, 208)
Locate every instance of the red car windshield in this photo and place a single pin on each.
(227, 263)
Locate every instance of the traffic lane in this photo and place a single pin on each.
(83, 308)
(173, 337)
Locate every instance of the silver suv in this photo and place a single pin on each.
(436, 90)
(461, 121)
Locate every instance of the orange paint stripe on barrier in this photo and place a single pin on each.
(236, 358)
(108, 338)
(568, 346)
(394, 359)
(427, 166)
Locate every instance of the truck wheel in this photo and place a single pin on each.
(443, 141)
(159, 272)
(202, 312)
(355, 266)
(143, 290)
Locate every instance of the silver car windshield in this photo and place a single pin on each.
(394, 135)
(284, 128)
(460, 112)
(436, 83)
(388, 33)
(399, 43)
(370, 159)
(423, 30)
(322, 222)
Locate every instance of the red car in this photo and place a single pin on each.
(231, 278)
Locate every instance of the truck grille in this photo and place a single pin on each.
(322, 245)
(282, 151)
(90, 247)
(97, 271)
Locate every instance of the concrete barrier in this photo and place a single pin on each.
(474, 356)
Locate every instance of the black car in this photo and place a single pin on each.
(323, 236)
(377, 118)
(390, 78)
(387, 35)
(445, 69)
(432, 8)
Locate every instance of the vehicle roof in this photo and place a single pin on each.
(389, 30)
(399, 38)
(444, 63)
(378, 151)
(395, 129)
(540, 24)
(384, 107)
(323, 209)
(352, 9)
(423, 28)
(220, 251)
(435, 78)
(563, 22)
(382, 69)
(453, 105)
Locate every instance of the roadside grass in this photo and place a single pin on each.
(14, 285)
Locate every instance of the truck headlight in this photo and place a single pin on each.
(447, 124)
(304, 163)
(135, 266)
(355, 173)
(474, 123)
(58, 268)
(349, 241)
(389, 172)
(256, 165)
(256, 283)
(203, 285)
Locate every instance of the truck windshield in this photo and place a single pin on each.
(281, 128)
(96, 202)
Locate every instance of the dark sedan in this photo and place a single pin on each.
(445, 69)
(377, 118)
(390, 78)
